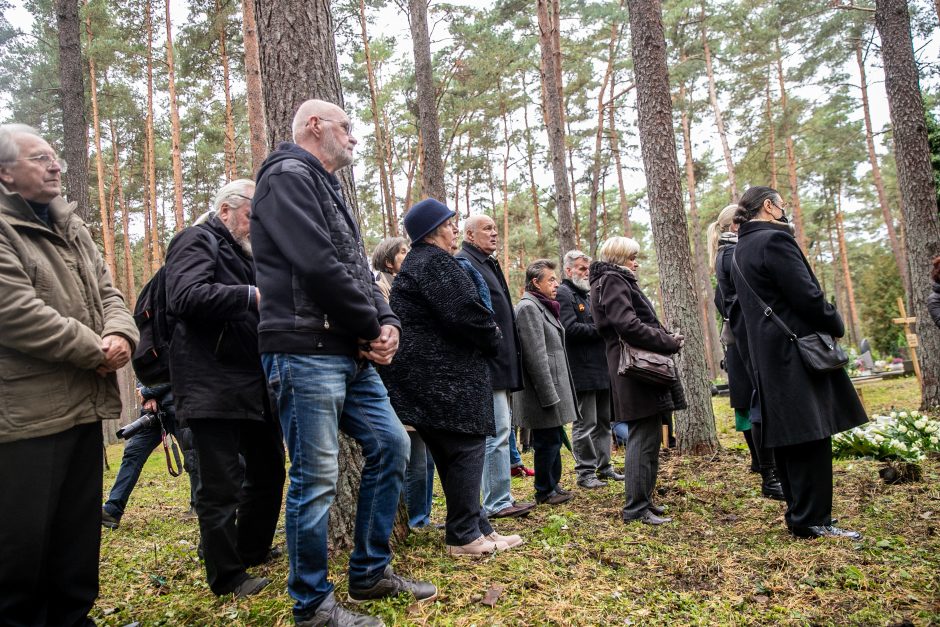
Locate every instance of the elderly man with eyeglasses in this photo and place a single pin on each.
(324, 323)
(66, 331)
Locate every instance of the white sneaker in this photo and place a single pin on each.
(504, 542)
(478, 548)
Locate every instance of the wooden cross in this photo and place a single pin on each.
(912, 341)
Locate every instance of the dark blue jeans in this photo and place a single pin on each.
(515, 459)
(136, 451)
(419, 482)
(317, 397)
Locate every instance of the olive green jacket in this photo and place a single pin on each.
(56, 303)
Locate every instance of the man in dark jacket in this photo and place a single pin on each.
(323, 322)
(65, 332)
(588, 360)
(481, 239)
(220, 391)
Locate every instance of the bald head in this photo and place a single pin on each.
(324, 130)
(480, 230)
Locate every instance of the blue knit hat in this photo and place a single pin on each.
(426, 216)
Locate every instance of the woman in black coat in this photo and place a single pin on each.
(439, 380)
(723, 237)
(799, 409)
(621, 310)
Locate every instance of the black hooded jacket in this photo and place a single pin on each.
(214, 362)
(318, 295)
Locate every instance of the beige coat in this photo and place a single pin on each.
(57, 303)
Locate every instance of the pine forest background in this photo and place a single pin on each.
(781, 92)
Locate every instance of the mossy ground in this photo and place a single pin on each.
(727, 559)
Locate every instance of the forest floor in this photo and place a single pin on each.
(727, 558)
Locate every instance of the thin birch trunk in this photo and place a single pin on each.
(615, 148)
(155, 247)
(131, 290)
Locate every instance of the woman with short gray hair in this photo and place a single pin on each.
(547, 402)
(623, 312)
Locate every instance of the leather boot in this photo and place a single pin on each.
(770, 485)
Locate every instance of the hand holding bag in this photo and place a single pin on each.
(819, 351)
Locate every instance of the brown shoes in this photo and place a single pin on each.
(516, 510)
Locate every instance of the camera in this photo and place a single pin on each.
(145, 421)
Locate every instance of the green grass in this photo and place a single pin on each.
(726, 560)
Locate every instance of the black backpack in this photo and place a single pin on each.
(151, 359)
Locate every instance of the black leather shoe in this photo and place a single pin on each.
(610, 474)
(659, 510)
(251, 586)
(770, 485)
(392, 585)
(824, 531)
(332, 614)
(562, 491)
(591, 483)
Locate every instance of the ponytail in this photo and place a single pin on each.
(721, 225)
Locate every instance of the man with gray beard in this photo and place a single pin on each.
(221, 393)
(588, 360)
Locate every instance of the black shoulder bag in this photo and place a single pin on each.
(818, 350)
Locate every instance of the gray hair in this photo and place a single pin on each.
(536, 269)
(9, 149)
(385, 251)
(573, 255)
(234, 194)
(618, 250)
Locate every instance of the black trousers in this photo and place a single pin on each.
(546, 447)
(762, 454)
(238, 506)
(641, 457)
(459, 461)
(805, 473)
(50, 527)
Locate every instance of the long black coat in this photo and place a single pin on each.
(439, 377)
(586, 351)
(726, 301)
(796, 405)
(622, 311)
(215, 367)
(506, 364)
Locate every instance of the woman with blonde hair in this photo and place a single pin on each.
(722, 239)
(622, 311)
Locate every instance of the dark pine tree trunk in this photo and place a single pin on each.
(695, 427)
(298, 62)
(915, 180)
(72, 97)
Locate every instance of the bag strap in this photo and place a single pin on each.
(768, 312)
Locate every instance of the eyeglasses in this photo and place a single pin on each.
(347, 126)
(46, 161)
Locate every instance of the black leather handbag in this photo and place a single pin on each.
(819, 351)
(645, 365)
